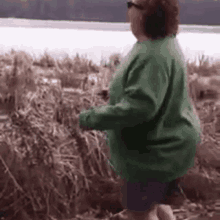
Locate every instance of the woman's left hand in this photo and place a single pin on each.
(85, 128)
(77, 125)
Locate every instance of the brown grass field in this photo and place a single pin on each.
(51, 169)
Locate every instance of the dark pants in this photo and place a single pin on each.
(141, 197)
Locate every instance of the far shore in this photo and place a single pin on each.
(95, 25)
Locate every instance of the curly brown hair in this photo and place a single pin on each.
(160, 18)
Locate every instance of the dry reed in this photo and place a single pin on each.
(49, 167)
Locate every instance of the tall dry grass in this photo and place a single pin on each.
(50, 169)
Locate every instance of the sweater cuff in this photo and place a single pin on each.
(83, 118)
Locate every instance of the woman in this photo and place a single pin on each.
(152, 130)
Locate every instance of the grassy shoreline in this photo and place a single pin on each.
(48, 164)
(46, 60)
(74, 72)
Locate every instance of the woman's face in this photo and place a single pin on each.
(134, 17)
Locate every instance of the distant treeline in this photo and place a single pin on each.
(200, 12)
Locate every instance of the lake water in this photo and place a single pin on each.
(96, 40)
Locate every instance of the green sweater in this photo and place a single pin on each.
(151, 129)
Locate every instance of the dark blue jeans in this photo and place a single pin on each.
(140, 197)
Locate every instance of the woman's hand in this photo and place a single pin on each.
(85, 128)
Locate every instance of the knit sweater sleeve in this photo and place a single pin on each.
(145, 88)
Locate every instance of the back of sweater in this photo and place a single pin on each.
(152, 131)
(163, 144)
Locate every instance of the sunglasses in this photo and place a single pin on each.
(130, 4)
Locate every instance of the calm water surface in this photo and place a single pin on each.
(96, 40)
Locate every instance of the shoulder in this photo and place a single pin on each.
(145, 56)
(152, 59)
